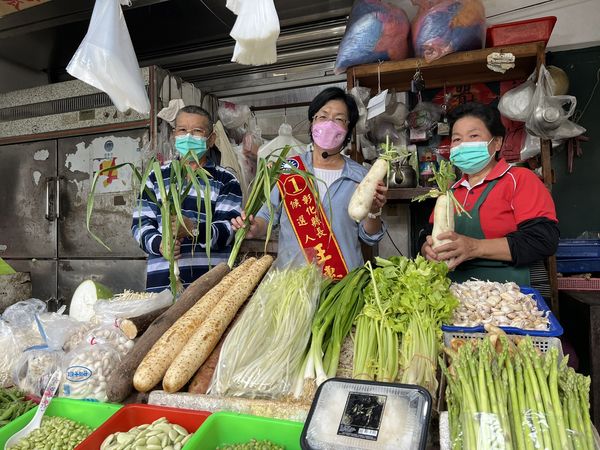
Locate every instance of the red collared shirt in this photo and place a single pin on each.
(519, 195)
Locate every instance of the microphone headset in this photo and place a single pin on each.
(326, 155)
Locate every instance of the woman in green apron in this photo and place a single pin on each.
(513, 224)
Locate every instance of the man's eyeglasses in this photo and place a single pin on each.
(197, 132)
(340, 120)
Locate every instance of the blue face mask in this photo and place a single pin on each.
(189, 143)
(471, 157)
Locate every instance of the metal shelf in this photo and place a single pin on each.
(406, 193)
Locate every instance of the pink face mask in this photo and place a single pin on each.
(328, 135)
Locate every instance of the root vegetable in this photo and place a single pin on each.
(135, 326)
(362, 199)
(201, 380)
(203, 341)
(155, 364)
(446, 204)
(120, 383)
(443, 220)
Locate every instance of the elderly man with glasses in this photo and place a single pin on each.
(193, 133)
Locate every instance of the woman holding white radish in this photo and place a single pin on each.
(512, 225)
(321, 228)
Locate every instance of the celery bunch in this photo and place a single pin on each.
(398, 331)
(506, 396)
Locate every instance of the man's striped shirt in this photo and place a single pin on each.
(226, 203)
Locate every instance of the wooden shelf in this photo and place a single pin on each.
(406, 193)
(452, 70)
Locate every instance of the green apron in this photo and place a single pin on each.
(484, 269)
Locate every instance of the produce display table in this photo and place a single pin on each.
(572, 320)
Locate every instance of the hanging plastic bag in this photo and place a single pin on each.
(256, 30)
(516, 103)
(86, 369)
(106, 60)
(232, 115)
(284, 138)
(361, 96)
(447, 26)
(549, 114)
(376, 31)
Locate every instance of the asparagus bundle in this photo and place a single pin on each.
(503, 395)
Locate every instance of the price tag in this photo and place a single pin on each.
(443, 129)
(417, 135)
(376, 105)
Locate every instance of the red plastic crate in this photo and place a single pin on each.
(132, 415)
(520, 32)
(578, 284)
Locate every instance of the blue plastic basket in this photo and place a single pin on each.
(578, 265)
(554, 329)
(578, 248)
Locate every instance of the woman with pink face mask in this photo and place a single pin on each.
(328, 236)
(513, 224)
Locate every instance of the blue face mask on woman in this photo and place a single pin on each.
(190, 143)
(471, 157)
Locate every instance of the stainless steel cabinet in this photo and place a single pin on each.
(44, 188)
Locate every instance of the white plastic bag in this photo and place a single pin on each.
(33, 369)
(549, 114)
(233, 115)
(86, 369)
(256, 30)
(516, 103)
(8, 355)
(123, 308)
(56, 328)
(106, 60)
(284, 138)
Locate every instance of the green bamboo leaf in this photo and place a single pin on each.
(202, 173)
(160, 181)
(91, 199)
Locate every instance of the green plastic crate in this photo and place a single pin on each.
(223, 428)
(92, 414)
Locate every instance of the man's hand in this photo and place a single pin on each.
(461, 248)
(176, 249)
(238, 222)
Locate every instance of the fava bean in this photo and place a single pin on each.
(54, 433)
(158, 435)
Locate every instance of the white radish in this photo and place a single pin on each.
(443, 219)
(362, 199)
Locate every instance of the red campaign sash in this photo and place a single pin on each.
(310, 223)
